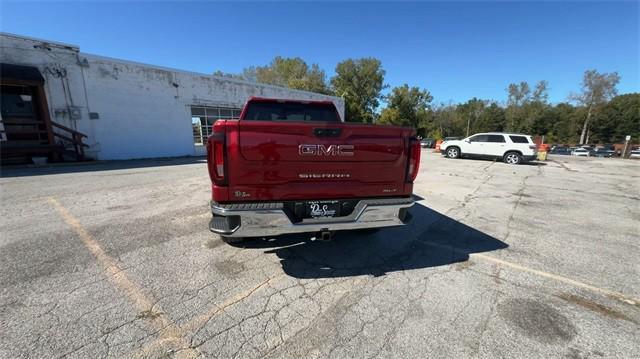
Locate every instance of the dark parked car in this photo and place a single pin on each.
(561, 151)
(427, 143)
(602, 152)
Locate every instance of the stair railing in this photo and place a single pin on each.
(73, 137)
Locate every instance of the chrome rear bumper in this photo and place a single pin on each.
(270, 219)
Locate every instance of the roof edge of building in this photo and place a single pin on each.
(63, 45)
(187, 72)
(76, 48)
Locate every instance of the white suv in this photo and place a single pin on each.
(512, 148)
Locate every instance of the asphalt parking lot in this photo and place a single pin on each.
(116, 260)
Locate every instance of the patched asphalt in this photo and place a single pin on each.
(116, 260)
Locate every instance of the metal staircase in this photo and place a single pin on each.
(28, 132)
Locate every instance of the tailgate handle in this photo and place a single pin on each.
(327, 132)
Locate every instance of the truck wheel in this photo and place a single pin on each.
(512, 158)
(453, 152)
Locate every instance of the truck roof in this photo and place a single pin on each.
(267, 99)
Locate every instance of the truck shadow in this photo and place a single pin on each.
(430, 239)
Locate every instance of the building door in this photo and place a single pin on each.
(27, 129)
(20, 120)
(26, 125)
(25, 133)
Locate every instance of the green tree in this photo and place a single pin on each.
(292, 73)
(617, 119)
(228, 75)
(518, 93)
(442, 121)
(360, 82)
(249, 74)
(391, 116)
(597, 89)
(407, 106)
(541, 92)
(468, 115)
(491, 119)
(524, 107)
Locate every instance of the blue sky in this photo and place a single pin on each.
(455, 50)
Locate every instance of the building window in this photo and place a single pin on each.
(202, 119)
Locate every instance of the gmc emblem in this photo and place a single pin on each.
(322, 150)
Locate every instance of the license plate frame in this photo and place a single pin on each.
(323, 209)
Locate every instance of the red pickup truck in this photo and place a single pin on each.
(290, 166)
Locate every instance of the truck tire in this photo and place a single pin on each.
(453, 152)
(512, 158)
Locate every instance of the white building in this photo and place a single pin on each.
(126, 109)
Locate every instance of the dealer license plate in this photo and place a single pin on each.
(317, 209)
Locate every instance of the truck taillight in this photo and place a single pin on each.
(216, 158)
(414, 161)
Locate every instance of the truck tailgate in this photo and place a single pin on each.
(271, 160)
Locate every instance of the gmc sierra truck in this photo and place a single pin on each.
(290, 166)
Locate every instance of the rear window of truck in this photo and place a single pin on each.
(283, 111)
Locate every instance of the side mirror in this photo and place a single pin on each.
(467, 140)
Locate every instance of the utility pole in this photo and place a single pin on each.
(476, 114)
(626, 145)
(468, 123)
